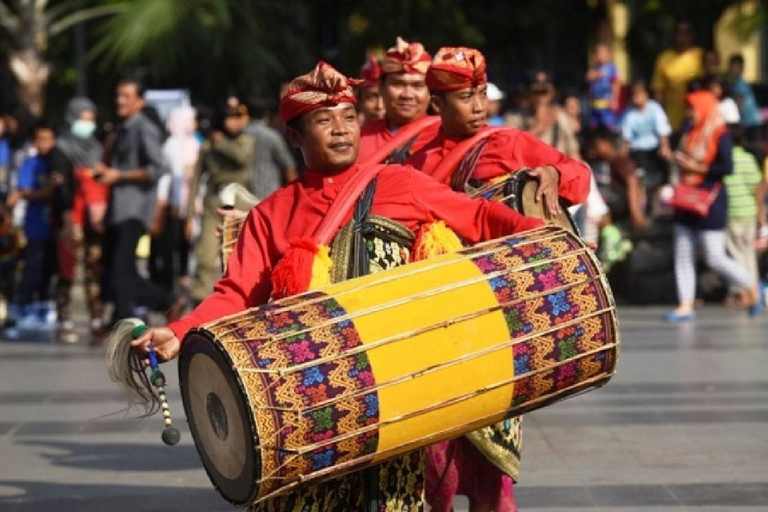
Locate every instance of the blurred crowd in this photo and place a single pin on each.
(638, 139)
(133, 208)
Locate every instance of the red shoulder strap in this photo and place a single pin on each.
(344, 203)
(402, 136)
(444, 171)
(369, 169)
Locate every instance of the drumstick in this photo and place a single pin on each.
(171, 434)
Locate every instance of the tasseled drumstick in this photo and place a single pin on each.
(171, 434)
(125, 366)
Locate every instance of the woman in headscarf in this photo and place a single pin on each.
(704, 158)
(84, 151)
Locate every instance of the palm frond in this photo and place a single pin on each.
(9, 21)
(139, 29)
(82, 15)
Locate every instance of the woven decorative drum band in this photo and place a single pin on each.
(383, 364)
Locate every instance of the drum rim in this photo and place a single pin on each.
(201, 336)
(519, 180)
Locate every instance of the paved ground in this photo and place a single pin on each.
(683, 427)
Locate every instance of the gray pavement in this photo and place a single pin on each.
(682, 427)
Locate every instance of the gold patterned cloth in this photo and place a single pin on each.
(456, 68)
(406, 57)
(324, 86)
(501, 444)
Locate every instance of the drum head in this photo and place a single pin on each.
(219, 418)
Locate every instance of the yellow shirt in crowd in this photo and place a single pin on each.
(673, 72)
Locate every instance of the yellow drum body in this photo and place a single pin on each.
(330, 381)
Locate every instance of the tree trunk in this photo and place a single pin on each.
(31, 73)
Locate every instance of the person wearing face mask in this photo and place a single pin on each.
(225, 158)
(83, 241)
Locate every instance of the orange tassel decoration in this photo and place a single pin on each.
(293, 272)
(435, 239)
(304, 266)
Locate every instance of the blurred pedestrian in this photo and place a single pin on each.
(273, 163)
(136, 165)
(6, 160)
(746, 206)
(674, 68)
(86, 237)
(572, 106)
(728, 108)
(181, 151)
(36, 186)
(705, 157)
(711, 63)
(620, 187)
(369, 100)
(546, 120)
(604, 88)
(225, 158)
(495, 103)
(645, 130)
(11, 246)
(751, 116)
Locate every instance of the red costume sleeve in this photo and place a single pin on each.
(246, 282)
(474, 220)
(512, 150)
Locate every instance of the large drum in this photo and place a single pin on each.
(327, 382)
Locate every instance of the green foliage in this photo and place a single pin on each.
(223, 46)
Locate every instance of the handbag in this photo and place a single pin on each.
(694, 200)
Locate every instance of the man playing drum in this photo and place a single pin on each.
(320, 114)
(484, 464)
(458, 84)
(406, 99)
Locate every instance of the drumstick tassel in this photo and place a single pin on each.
(125, 366)
(306, 265)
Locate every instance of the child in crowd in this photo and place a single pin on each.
(746, 205)
(645, 131)
(36, 187)
(604, 87)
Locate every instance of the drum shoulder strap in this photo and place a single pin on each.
(369, 243)
(348, 246)
(401, 154)
(467, 166)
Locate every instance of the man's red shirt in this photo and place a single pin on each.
(505, 152)
(294, 211)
